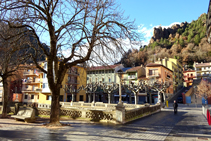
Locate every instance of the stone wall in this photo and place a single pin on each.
(100, 112)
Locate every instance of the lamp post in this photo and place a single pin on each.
(120, 90)
(194, 88)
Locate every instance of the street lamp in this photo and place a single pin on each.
(120, 89)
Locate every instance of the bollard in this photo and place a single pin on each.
(167, 103)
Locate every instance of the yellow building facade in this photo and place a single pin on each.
(176, 67)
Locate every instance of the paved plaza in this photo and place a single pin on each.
(187, 125)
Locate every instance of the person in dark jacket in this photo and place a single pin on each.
(175, 105)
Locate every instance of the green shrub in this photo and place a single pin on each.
(181, 42)
(180, 31)
(189, 38)
(197, 39)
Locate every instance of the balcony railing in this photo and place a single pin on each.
(29, 89)
(38, 90)
(72, 73)
(72, 82)
(153, 74)
(132, 77)
(30, 81)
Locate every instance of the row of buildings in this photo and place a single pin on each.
(33, 87)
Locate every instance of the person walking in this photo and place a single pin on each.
(175, 105)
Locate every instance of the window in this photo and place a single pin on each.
(15, 89)
(102, 79)
(33, 88)
(61, 98)
(45, 66)
(27, 86)
(26, 97)
(44, 75)
(37, 96)
(109, 79)
(16, 96)
(34, 71)
(45, 85)
(0, 91)
(34, 79)
(32, 96)
(28, 70)
(49, 97)
(81, 98)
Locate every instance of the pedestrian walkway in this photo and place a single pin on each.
(187, 124)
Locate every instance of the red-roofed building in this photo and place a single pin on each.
(188, 77)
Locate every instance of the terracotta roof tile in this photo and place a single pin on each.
(153, 64)
(103, 67)
(133, 69)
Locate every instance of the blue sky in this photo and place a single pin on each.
(152, 13)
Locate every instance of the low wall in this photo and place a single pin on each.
(141, 112)
(101, 112)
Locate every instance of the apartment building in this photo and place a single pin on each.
(104, 74)
(75, 78)
(203, 70)
(161, 73)
(31, 85)
(188, 76)
(176, 67)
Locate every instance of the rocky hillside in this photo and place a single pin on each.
(186, 42)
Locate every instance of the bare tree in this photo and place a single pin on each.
(109, 89)
(160, 87)
(91, 89)
(12, 55)
(80, 27)
(135, 88)
(204, 89)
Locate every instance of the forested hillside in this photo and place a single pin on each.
(186, 42)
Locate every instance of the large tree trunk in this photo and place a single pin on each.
(55, 107)
(5, 100)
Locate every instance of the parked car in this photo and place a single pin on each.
(179, 99)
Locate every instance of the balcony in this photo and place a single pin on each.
(72, 82)
(30, 81)
(31, 73)
(132, 77)
(189, 76)
(153, 75)
(72, 73)
(38, 90)
(28, 90)
(189, 81)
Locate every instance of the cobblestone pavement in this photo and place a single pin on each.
(187, 124)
